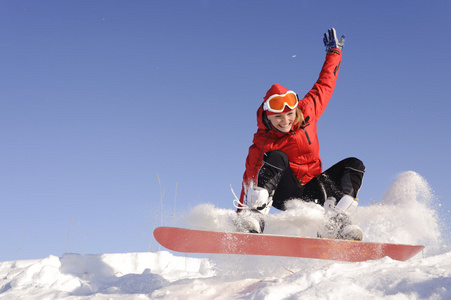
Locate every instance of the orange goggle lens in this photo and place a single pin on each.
(276, 103)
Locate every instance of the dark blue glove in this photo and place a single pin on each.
(331, 41)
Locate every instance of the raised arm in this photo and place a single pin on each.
(324, 87)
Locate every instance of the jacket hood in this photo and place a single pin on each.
(275, 89)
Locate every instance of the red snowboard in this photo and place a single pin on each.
(201, 241)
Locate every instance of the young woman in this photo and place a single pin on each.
(284, 162)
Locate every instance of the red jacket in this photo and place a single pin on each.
(301, 146)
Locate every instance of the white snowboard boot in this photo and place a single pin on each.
(257, 203)
(339, 225)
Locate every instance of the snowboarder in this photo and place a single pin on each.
(284, 162)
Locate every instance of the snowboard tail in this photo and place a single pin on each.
(202, 241)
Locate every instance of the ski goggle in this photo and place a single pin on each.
(277, 103)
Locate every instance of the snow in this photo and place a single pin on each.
(407, 214)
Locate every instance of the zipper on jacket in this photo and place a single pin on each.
(303, 126)
(306, 134)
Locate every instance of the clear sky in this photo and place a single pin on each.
(104, 105)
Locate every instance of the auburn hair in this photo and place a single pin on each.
(299, 118)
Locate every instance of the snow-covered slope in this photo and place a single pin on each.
(405, 215)
(163, 275)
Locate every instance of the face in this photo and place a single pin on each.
(283, 122)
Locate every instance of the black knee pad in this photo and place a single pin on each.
(355, 163)
(276, 159)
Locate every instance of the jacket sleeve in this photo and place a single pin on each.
(324, 87)
(253, 164)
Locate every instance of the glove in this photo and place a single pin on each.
(331, 41)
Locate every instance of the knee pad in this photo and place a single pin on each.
(276, 159)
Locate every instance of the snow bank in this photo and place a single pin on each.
(109, 274)
(405, 215)
(165, 276)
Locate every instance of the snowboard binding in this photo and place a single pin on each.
(251, 214)
(339, 225)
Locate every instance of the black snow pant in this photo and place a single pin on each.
(343, 178)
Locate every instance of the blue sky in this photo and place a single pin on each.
(101, 99)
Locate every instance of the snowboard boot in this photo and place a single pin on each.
(251, 217)
(339, 226)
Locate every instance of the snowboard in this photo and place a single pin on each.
(201, 241)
